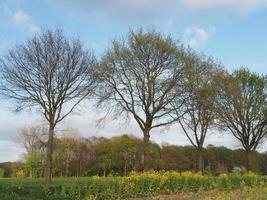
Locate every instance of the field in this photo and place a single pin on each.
(149, 185)
(241, 194)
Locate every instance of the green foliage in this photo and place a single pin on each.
(19, 170)
(135, 185)
(240, 107)
(2, 172)
(34, 165)
(122, 154)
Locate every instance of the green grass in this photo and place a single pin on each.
(246, 193)
(250, 193)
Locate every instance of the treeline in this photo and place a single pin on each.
(151, 78)
(77, 156)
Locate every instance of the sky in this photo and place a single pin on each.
(232, 31)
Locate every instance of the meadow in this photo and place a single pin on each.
(147, 185)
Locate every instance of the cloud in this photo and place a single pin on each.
(151, 9)
(235, 6)
(197, 36)
(21, 19)
(12, 14)
(10, 151)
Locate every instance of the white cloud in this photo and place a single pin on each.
(21, 19)
(12, 15)
(197, 36)
(10, 151)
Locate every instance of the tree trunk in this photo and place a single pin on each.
(125, 167)
(62, 169)
(200, 161)
(67, 163)
(80, 165)
(49, 152)
(248, 161)
(146, 144)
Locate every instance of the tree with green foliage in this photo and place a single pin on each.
(173, 157)
(121, 154)
(125, 148)
(241, 108)
(103, 151)
(220, 159)
(35, 165)
(71, 153)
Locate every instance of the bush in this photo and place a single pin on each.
(135, 185)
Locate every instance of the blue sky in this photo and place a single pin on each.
(232, 31)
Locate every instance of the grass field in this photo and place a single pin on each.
(254, 193)
(149, 185)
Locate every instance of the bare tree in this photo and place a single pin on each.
(71, 139)
(197, 115)
(141, 76)
(31, 138)
(241, 108)
(51, 73)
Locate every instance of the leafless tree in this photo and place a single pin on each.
(34, 140)
(141, 75)
(31, 138)
(51, 73)
(241, 107)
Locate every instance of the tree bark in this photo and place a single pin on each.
(200, 161)
(125, 167)
(146, 144)
(248, 167)
(49, 152)
(68, 161)
(80, 165)
(104, 172)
